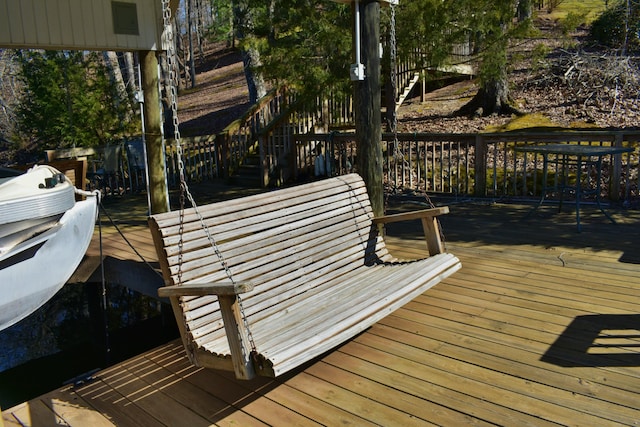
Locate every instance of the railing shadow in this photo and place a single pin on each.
(598, 340)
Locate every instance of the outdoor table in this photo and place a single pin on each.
(578, 154)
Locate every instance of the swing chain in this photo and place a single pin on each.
(397, 153)
(185, 193)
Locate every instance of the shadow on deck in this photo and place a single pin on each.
(540, 327)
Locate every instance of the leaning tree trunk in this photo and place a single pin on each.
(244, 29)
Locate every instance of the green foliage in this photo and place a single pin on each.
(221, 20)
(305, 44)
(539, 56)
(69, 100)
(609, 29)
(432, 27)
(572, 21)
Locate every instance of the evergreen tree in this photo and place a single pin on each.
(305, 44)
(245, 14)
(70, 100)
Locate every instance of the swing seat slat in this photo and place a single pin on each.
(309, 271)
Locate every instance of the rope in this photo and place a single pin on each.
(105, 317)
(115, 225)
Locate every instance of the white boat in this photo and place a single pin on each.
(44, 234)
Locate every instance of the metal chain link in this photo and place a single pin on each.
(398, 154)
(185, 193)
(393, 52)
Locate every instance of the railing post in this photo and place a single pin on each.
(264, 165)
(480, 167)
(222, 149)
(616, 170)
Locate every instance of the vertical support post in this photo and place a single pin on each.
(616, 171)
(480, 167)
(431, 230)
(368, 105)
(264, 160)
(237, 336)
(159, 195)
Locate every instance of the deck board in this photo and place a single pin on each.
(540, 327)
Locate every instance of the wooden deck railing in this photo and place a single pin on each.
(483, 165)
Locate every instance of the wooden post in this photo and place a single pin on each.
(368, 105)
(480, 167)
(238, 336)
(616, 170)
(159, 196)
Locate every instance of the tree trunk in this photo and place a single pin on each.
(113, 65)
(525, 10)
(244, 28)
(192, 65)
(130, 77)
(491, 98)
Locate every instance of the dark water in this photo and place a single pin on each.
(71, 335)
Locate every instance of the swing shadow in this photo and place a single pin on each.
(597, 340)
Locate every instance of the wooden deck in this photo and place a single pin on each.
(540, 327)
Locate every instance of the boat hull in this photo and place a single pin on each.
(37, 268)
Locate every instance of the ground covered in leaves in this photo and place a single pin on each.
(569, 87)
(554, 81)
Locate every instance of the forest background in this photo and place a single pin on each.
(552, 63)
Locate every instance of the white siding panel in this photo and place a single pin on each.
(77, 27)
(66, 26)
(5, 33)
(153, 20)
(14, 13)
(41, 22)
(27, 8)
(53, 17)
(103, 23)
(88, 22)
(76, 24)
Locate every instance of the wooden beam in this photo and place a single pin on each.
(199, 289)
(237, 336)
(368, 106)
(158, 190)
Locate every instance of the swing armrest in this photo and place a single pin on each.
(200, 289)
(430, 225)
(406, 216)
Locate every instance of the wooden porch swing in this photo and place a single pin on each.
(295, 272)
(262, 284)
